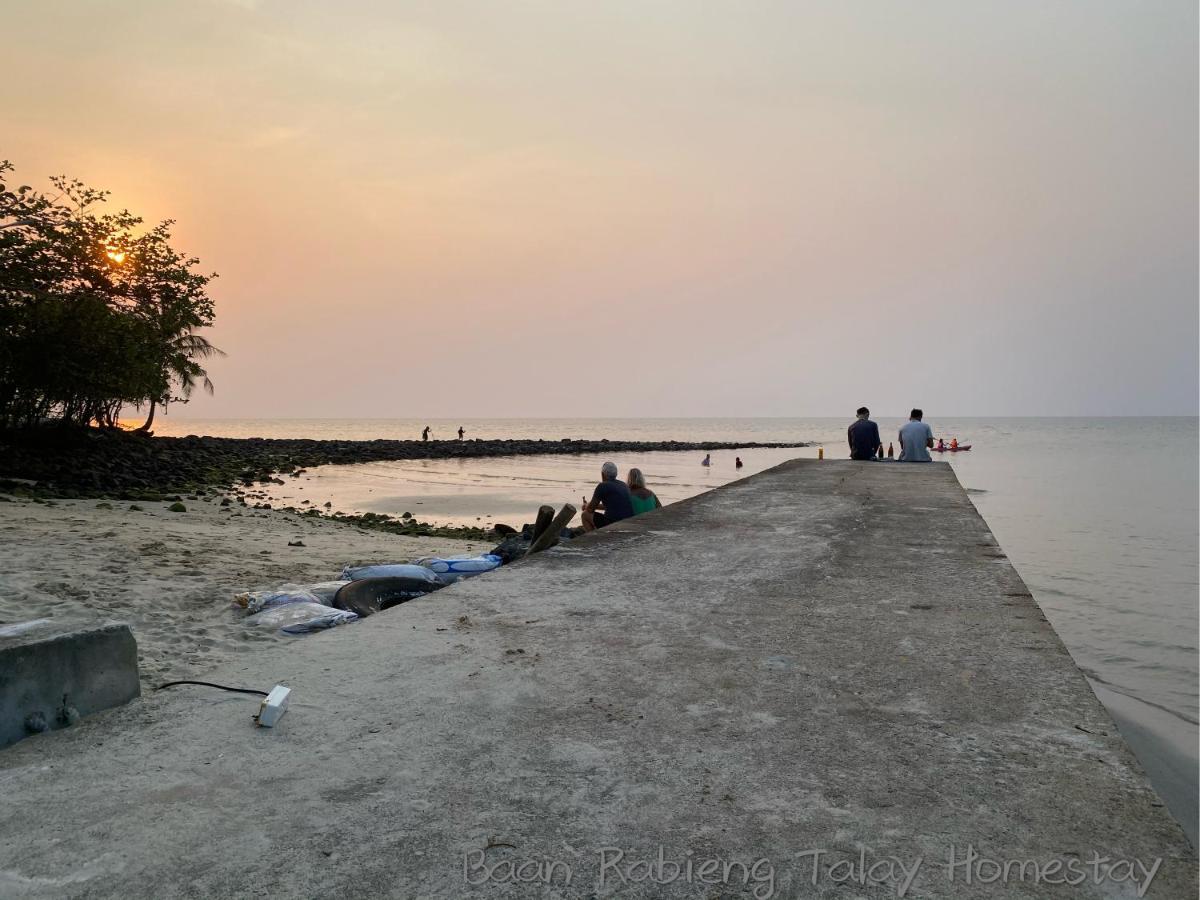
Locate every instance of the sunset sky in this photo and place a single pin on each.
(648, 208)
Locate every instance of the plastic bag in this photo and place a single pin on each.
(328, 619)
(451, 569)
(325, 591)
(299, 618)
(257, 601)
(390, 570)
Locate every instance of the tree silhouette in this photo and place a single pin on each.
(96, 313)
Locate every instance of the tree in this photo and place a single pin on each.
(96, 313)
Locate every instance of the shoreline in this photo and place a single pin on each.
(129, 466)
(172, 575)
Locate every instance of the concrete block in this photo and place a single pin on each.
(53, 673)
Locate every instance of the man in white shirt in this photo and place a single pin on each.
(916, 439)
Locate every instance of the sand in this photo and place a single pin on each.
(171, 575)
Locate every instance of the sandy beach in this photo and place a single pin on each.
(172, 575)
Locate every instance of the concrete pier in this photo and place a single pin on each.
(823, 681)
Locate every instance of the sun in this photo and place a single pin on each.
(116, 256)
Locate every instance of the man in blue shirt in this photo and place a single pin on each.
(611, 495)
(916, 439)
(863, 436)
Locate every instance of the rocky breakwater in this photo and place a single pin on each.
(93, 463)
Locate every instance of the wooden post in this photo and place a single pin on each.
(549, 537)
(544, 516)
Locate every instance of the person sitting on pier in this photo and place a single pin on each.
(641, 497)
(863, 436)
(916, 439)
(611, 495)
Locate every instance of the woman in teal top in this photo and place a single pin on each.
(642, 497)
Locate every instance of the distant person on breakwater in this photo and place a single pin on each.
(611, 495)
(916, 439)
(461, 433)
(863, 436)
(640, 497)
(707, 461)
(425, 434)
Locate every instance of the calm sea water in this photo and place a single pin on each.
(1100, 516)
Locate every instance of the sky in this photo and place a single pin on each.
(631, 208)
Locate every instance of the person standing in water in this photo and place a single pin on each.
(737, 462)
(707, 461)
(916, 439)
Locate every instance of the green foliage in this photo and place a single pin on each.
(96, 312)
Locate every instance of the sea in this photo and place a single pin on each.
(1099, 515)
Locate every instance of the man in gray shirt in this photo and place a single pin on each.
(916, 439)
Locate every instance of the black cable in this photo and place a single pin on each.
(210, 684)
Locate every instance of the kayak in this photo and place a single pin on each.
(957, 449)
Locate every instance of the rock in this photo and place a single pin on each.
(101, 463)
(503, 530)
(295, 543)
(177, 507)
(133, 507)
(35, 723)
(512, 547)
(103, 506)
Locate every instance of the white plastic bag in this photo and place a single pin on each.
(299, 618)
(257, 601)
(325, 591)
(452, 568)
(390, 570)
(327, 619)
